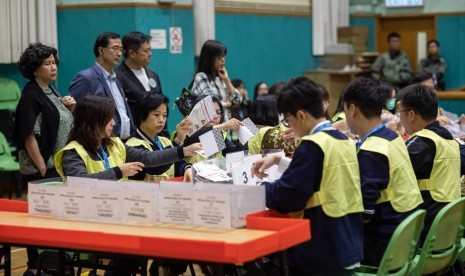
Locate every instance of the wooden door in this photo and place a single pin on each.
(408, 28)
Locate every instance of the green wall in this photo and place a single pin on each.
(451, 35)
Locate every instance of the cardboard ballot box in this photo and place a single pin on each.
(212, 205)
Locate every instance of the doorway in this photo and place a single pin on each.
(408, 28)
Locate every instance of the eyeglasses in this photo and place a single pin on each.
(284, 121)
(405, 110)
(116, 49)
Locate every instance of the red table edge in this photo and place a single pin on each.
(289, 232)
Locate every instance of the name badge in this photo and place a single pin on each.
(152, 83)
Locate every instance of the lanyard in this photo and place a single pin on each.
(104, 158)
(157, 140)
(323, 126)
(359, 144)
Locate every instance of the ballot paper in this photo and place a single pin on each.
(212, 142)
(247, 131)
(211, 172)
(202, 113)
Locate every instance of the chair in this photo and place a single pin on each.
(399, 254)
(9, 94)
(442, 243)
(9, 164)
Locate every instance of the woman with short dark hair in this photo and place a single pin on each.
(43, 119)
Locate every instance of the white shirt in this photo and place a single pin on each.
(142, 77)
(119, 102)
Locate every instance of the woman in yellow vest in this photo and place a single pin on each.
(217, 122)
(150, 118)
(92, 152)
(265, 115)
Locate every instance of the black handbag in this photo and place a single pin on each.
(186, 100)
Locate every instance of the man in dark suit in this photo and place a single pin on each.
(100, 79)
(133, 73)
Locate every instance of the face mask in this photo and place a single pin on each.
(390, 104)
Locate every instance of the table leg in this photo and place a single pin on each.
(7, 257)
(61, 262)
(283, 269)
(218, 269)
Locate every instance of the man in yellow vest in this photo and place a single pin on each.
(321, 183)
(434, 153)
(389, 187)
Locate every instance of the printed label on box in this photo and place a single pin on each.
(212, 209)
(42, 199)
(175, 206)
(72, 202)
(105, 205)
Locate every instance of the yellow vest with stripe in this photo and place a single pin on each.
(255, 143)
(339, 116)
(444, 182)
(165, 142)
(340, 192)
(198, 158)
(116, 157)
(402, 190)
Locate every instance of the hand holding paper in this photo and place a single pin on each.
(212, 142)
(202, 113)
(246, 131)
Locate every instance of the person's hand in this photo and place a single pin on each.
(259, 167)
(187, 175)
(443, 120)
(393, 124)
(69, 102)
(289, 135)
(130, 169)
(182, 129)
(191, 149)
(43, 171)
(223, 74)
(233, 124)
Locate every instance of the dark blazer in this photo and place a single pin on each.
(133, 88)
(92, 81)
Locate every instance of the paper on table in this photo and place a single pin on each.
(212, 142)
(247, 131)
(202, 113)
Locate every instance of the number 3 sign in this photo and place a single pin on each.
(242, 173)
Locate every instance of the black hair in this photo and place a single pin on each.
(276, 88)
(300, 94)
(33, 57)
(148, 103)
(211, 49)
(237, 82)
(386, 89)
(365, 94)
(257, 86)
(324, 97)
(421, 77)
(392, 35)
(91, 115)
(215, 100)
(103, 40)
(133, 41)
(433, 41)
(420, 98)
(265, 111)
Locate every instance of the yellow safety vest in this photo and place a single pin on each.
(402, 190)
(444, 182)
(339, 116)
(116, 157)
(165, 142)
(340, 192)
(255, 143)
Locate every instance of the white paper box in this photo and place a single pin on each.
(71, 202)
(176, 202)
(42, 199)
(140, 202)
(105, 204)
(243, 200)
